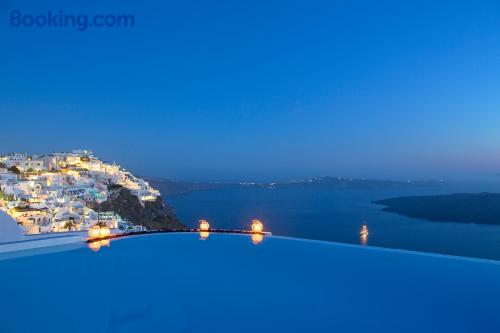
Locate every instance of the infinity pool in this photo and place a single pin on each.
(226, 283)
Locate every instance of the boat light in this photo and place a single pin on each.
(364, 230)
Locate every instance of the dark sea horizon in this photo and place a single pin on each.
(337, 215)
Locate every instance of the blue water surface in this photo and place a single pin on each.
(226, 283)
(338, 214)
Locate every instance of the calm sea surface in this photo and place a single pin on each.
(337, 215)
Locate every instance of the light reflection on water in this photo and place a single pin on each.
(96, 246)
(203, 235)
(257, 238)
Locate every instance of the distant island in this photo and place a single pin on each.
(169, 187)
(481, 208)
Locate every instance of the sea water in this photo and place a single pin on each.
(338, 215)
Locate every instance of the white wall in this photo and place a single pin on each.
(9, 230)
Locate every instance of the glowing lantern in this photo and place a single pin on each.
(257, 238)
(257, 226)
(204, 226)
(204, 235)
(104, 232)
(94, 231)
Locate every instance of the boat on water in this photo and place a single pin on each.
(364, 230)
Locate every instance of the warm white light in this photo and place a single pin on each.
(95, 246)
(257, 226)
(99, 232)
(364, 230)
(204, 235)
(257, 238)
(364, 239)
(94, 231)
(104, 232)
(204, 226)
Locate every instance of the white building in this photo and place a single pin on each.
(57, 198)
(24, 164)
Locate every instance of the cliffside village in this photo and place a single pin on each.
(54, 192)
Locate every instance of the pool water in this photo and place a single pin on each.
(227, 283)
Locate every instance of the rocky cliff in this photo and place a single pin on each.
(155, 215)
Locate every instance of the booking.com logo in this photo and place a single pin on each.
(60, 19)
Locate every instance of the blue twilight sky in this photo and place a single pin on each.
(259, 90)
